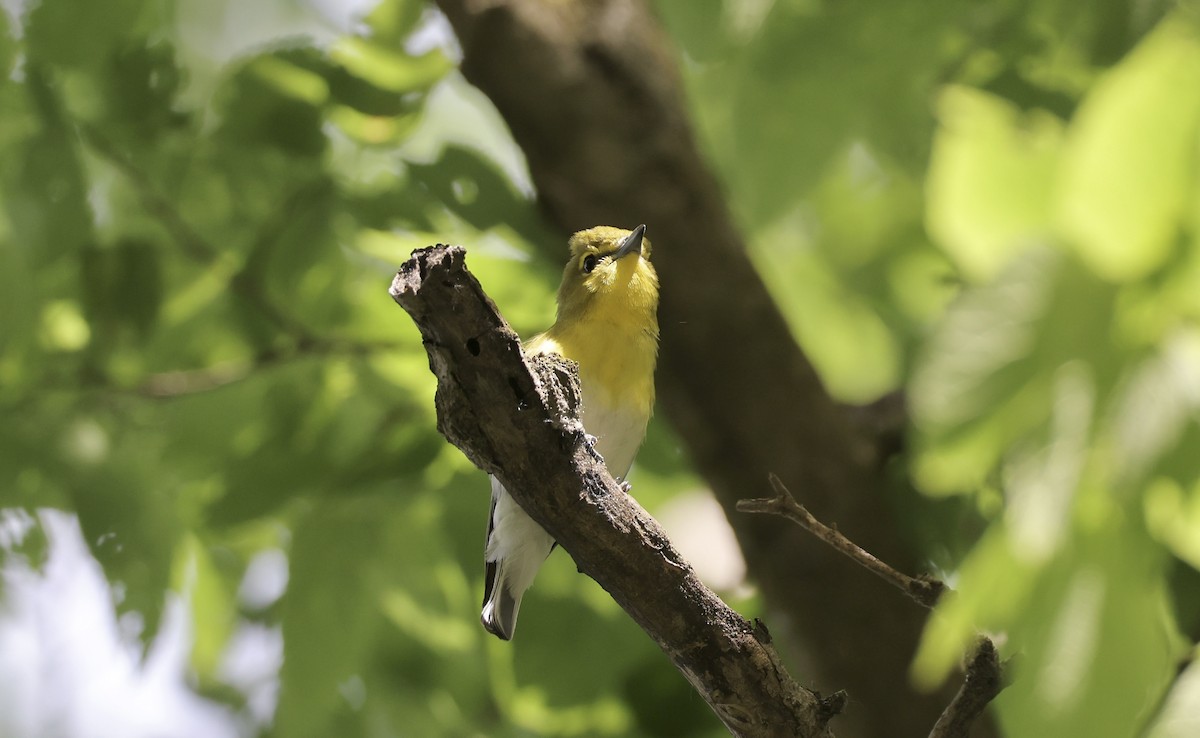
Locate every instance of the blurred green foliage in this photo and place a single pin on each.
(994, 205)
(998, 201)
(199, 359)
(1067, 380)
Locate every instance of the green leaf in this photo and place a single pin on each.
(988, 374)
(1094, 626)
(304, 268)
(1129, 167)
(856, 370)
(24, 540)
(390, 69)
(1173, 517)
(45, 193)
(781, 96)
(212, 599)
(277, 454)
(141, 284)
(474, 188)
(1085, 626)
(1154, 406)
(990, 180)
(80, 35)
(1180, 715)
(392, 21)
(122, 286)
(140, 90)
(700, 26)
(272, 102)
(663, 704)
(553, 620)
(330, 610)
(18, 318)
(126, 512)
(8, 47)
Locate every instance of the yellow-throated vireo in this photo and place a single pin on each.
(608, 323)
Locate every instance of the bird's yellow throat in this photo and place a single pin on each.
(607, 316)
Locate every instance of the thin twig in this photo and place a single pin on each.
(184, 382)
(924, 590)
(984, 680)
(984, 674)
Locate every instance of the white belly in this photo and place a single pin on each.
(618, 432)
(516, 545)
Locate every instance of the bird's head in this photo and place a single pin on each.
(609, 277)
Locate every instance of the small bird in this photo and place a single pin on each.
(608, 323)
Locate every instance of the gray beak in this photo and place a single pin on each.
(632, 244)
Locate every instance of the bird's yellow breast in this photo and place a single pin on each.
(616, 367)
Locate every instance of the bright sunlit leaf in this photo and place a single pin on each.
(197, 577)
(1180, 717)
(1129, 164)
(388, 68)
(991, 178)
(1173, 516)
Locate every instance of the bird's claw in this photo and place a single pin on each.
(626, 487)
(590, 442)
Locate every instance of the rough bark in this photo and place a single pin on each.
(517, 419)
(591, 94)
(984, 680)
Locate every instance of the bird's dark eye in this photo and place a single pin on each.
(589, 263)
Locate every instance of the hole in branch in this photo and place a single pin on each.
(473, 346)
